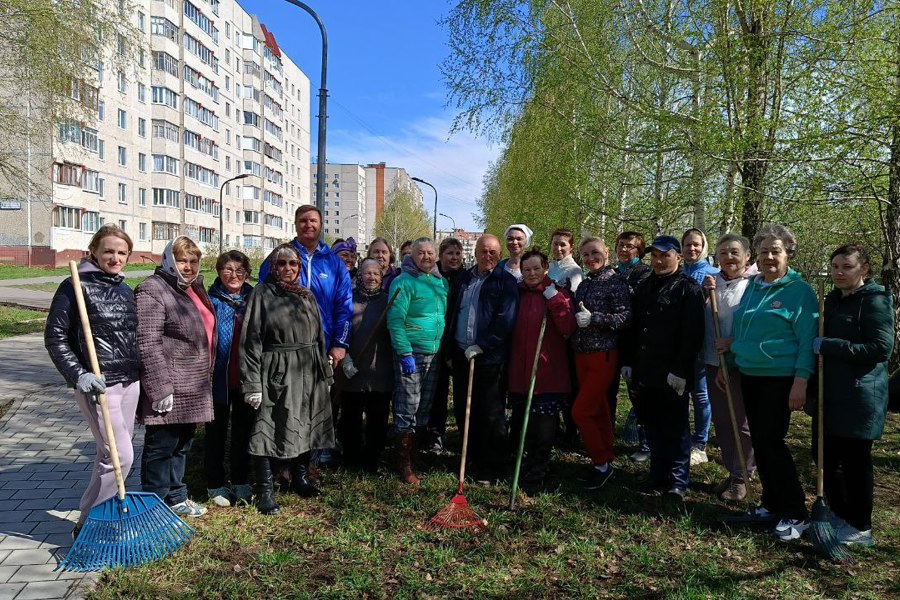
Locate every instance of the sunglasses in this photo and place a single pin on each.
(283, 263)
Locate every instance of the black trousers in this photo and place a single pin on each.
(240, 416)
(487, 425)
(364, 442)
(769, 416)
(849, 480)
(437, 418)
(163, 461)
(665, 416)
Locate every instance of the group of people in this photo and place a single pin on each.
(332, 351)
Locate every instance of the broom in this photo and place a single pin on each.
(821, 533)
(723, 366)
(130, 528)
(457, 514)
(521, 451)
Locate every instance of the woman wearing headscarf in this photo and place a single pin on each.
(177, 341)
(729, 285)
(228, 294)
(518, 238)
(695, 252)
(112, 313)
(285, 377)
(539, 299)
(346, 251)
(367, 372)
(380, 249)
(858, 341)
(774, 328)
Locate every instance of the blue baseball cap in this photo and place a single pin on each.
(664, 243)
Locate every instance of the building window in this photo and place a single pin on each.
(164, 27)
(165, 164)
(101, 150)
(141, 20)
(165, 231)
(122, 119)
(91, 221)
(142, 197)
(142, 127)
(123, 194)
(142, 93)
(122, 224)
(142, 232)
(163, 95)
(166, 197)
(123, 156)
(165, 62)
(142, 162)
(101, 110)
(164, 129)
(69, 218)
(121, 84)
(67, 174)
(90, 182)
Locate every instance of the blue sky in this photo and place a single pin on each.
(386, 95)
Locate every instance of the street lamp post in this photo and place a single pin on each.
(453, 234)
(323, 108)
(434, 227)
(222, 209)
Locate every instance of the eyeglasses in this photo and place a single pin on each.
(234, 272)
(283, 263)
(622, 246)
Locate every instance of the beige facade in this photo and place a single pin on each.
(382, 182)
(345, 202)
(211, 97)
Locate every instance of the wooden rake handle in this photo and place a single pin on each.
(465, 442)
(95, 368)
(820, 442)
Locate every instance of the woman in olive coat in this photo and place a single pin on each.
(859, 338)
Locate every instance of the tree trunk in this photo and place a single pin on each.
(890, 275)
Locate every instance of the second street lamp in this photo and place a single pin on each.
(453, 233)
(222, 210)
(434, 227)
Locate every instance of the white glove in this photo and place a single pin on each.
(253, 400)
(164, 405)
(473, 351)
(676, 383)
(626, 373)
(550, 291)
(349, 368)
(583, 316)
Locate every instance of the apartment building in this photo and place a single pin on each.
(382, 181)
(468, 239)
(345, 202)
(211, 97)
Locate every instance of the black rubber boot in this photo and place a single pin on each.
(541, 435)
(300, 483)
(262, 488)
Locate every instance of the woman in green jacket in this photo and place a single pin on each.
(416, 323)
(859, 338)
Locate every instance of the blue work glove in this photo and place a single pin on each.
(817, 344)
(89, 383)
(408, 364)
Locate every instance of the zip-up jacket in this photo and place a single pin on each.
(416, 318)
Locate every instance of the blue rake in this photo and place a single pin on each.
(131, 528)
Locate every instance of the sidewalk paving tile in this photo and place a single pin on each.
(8, 591)
(44, 590)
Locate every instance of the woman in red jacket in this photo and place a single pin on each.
(538, 296)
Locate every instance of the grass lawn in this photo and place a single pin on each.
(208, 278)
(16, 272)
(365, 538)
(18, 321)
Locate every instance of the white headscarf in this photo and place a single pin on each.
(524, 229)
(171, 267)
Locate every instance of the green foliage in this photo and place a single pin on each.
(403, 218)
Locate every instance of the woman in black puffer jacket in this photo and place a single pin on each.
(113, 317)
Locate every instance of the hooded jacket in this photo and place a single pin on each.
(173, 346)
(774, 327)
(553, 366)
(326, 275)
(858, 341)
(416, 318)
(728, 296)
(112, 312)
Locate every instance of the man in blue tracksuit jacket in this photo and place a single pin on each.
(326, 275)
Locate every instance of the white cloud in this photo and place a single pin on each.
(454, 165)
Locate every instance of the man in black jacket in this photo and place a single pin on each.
(665, 338)
(481, 314)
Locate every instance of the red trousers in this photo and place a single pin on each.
(590, 412)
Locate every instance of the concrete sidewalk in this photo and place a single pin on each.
(46, 457)
(36, 299)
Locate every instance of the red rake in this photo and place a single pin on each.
(457, 514)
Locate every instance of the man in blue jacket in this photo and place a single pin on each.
(325, 274)
(481, 314)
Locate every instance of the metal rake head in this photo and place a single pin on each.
(456, 515)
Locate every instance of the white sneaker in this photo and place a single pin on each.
(698, 456)
(220, 496)
(851, 536)
(790, 529)
(188, 508)
(641, 456)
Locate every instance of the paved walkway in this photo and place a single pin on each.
(46, 456)
(36, 299)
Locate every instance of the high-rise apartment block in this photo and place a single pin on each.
(211, 97)
(355, 197)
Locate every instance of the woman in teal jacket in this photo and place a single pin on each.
(859, 339)
(416, 323)
(774, 327)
